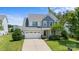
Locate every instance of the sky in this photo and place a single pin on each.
(16, 15)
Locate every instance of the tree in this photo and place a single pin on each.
(59, 15)
(77, 22)
(51, 11)
(56, 27)
(10, 27)
(72, 17)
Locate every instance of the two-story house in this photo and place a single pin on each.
(37, 25)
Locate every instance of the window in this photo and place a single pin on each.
(35, 23)
(50, 23)
(45, 23)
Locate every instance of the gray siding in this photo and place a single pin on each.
(48, 20)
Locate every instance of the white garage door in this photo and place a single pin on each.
(32, 35)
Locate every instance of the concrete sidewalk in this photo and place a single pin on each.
(35, 45)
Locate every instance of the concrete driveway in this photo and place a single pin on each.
(35, 45)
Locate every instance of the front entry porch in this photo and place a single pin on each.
(46, 33)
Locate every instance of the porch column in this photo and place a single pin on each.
(49, 31)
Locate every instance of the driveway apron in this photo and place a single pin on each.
(35, 45)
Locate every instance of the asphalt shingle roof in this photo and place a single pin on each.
(36, 16)
(2, 17)
(41, 16)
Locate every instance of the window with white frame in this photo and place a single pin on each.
(35, 23)
(45, 23)
(50, 23)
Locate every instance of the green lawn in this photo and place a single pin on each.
(6, 43)
(58, 45)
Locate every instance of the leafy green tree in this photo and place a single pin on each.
(51, 11)
(72, 18)
(10, 28)
(77, 22)
(56, 27)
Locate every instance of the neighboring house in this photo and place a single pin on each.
(37, 25)
(3, 25)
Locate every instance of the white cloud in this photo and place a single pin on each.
(62, 9)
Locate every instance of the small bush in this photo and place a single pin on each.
(62, 39)
(17, 35)
(77, 37)
(50, 37)
(77, 34)
(43, 37)
(64, 34)
(54, 37)
(71, 36)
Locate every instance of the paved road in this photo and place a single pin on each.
(35, 45)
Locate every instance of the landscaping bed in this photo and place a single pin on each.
(7, 43)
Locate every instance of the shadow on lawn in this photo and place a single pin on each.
(69, 43)
(13, 40)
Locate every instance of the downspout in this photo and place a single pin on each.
(41, 31)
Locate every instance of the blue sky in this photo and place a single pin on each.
(16, 15)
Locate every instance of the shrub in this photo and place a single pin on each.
(64, 34)
(43, 37)
(71, 36)
(77, 34)
(77, 37)
(54, 37)
(50, 37)
(17, 35)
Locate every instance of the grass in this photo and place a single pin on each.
(59, 45)
(6, 43)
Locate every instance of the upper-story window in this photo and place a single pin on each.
(50, 23)
(45, 23)
(35, 23)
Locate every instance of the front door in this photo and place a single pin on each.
(45, 33)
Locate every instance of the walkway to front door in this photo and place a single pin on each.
(35, 45)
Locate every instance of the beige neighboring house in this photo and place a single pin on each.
(3, 25)
(37, 25)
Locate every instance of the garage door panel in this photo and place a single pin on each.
(33, 35)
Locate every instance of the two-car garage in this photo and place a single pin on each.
(33, 35)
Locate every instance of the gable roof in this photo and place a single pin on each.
(48, 18)
(41, 17)
(36, 16)
(53, 17)
(2, 17)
